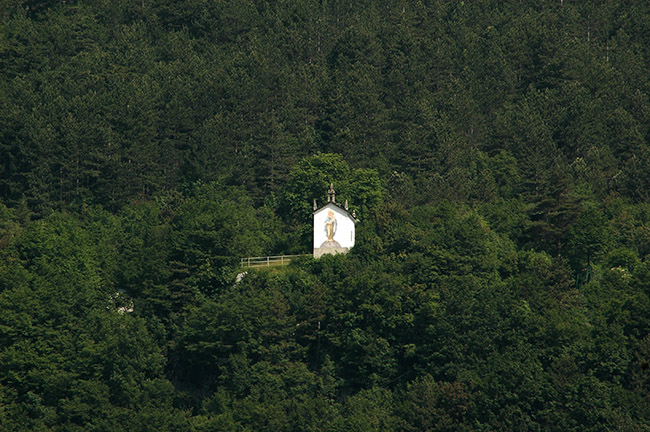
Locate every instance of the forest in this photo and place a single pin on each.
(496, 153)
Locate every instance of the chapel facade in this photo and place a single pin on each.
(334, 226)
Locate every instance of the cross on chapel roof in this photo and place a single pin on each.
(331, 199)
(331, 194)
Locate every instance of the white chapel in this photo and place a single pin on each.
(333, 227)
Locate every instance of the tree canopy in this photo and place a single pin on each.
(495, 153)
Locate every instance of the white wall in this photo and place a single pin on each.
(344, 230)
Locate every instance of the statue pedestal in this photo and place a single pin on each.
(333, 250)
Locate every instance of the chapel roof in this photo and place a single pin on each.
(331, 199)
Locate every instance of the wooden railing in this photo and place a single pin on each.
(269, 261)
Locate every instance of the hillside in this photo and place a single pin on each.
(496, 153)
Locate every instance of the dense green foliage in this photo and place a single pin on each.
(496, 153)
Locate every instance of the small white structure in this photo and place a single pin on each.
(333, 227)
(120, 302)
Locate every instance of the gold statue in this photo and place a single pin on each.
(330, 225)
